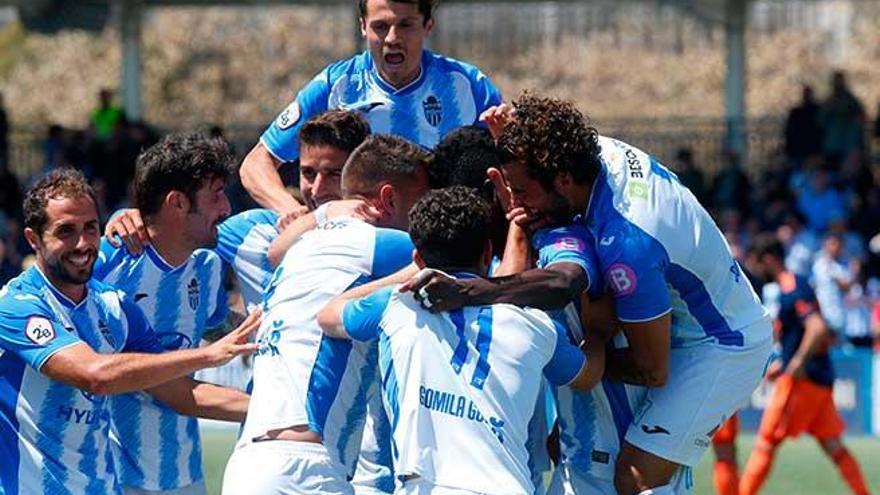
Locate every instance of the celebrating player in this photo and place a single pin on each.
(401, 88)
(310, 393)
(687, 311)
(460, 387)
(67, 341)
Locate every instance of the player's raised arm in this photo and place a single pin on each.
(80, 366)
(259, 175)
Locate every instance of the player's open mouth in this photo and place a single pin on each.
(394, 59)
(81, 260)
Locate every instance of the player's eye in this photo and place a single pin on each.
(379, 27)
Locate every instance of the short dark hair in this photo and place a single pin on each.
(449, 227)
(426, 8)
(382, 158)
(179, 162)
(551, 136)
(462, 158)
(57, 184)
(341, 129)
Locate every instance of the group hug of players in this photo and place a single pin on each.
(465, 289)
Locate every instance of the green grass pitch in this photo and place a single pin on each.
(800, 468)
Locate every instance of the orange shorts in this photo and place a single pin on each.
(728, 431)
(799, 406)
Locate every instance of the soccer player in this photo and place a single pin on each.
(725, 473)
(686, 308)
(802, 398)
(402, 88)
(310, 393)
(460, 387)
(178, 283)
(67, 341)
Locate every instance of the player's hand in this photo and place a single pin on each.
(436, 291)
(236, 342)
(287, 217)
(502, 190)
(356, 208)
(527, 220)
(127, 227)
(774, 370)
(497, 117)
(797, 368)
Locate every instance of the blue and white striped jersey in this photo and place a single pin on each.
(448, 94)
(591, 424)
(660, 251)
(459, 400)
(300, 376)
(243, 243)
(155, 448)
(54, 437)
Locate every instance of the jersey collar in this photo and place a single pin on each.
(594, 192)
(160, 262)
(63, 299)
(409, 88)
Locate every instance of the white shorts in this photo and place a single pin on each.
(197, 488)
(707, 384)
(422, 487)
(567, 481)
(284, 467)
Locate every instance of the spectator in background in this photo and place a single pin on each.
(105, 118)
(54, 147)
(8, 268)
(800, 244)
(4, 134)
(842, 118)
(820, 203)
(877, 124)
(688, 173)
(803, 133)
(730, 190)
(11, 196)
(832, 279)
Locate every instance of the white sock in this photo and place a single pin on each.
(660, 490)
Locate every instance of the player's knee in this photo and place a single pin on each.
(833, 447)
(766, 444)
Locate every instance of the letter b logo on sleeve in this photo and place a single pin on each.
(39, 330)
(621, 279)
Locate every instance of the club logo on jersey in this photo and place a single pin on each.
(289, 116)
(108, 335)
(192, 293)
(39, 330)
(173, 341)
(621, 280)
(569, 244)
(433, 110)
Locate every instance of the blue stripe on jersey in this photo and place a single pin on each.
(662, 171)
(403, 121)
(194, 463)
(446, 93)
(484, 341)
(169, 473)
(12, 370)
(459, 356)
(584, 409)
(619, 402)
(326, 377)
(59, 399)
(382, 430)
(353, 417)
(695, 295)
(88, 465)
(389, 385)
(127, 406)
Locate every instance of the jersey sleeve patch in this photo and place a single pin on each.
(622, 279)
(39, 330)
(289, 116)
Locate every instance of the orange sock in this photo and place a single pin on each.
(757, 469)
(850, 471)
(726, 478)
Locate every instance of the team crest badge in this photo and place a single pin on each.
(433, 110)
(108, 335)
(192, 292)
(289, 116)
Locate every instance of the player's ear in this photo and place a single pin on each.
(563, 180)
(177, 201)
(386, 198)
(363, 25)
(429, 26)
(417, 259)
(32, 238)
